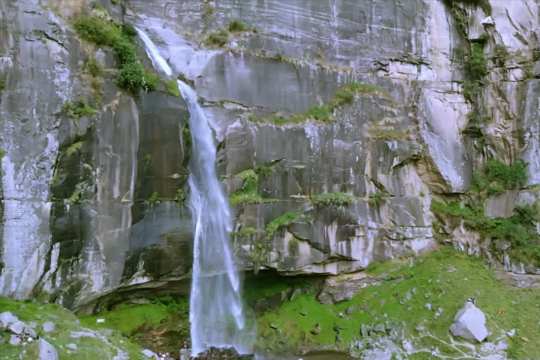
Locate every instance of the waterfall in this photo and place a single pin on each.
(216, 311)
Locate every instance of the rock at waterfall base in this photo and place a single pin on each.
(470, 323)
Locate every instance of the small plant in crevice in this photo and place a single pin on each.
(377, 198)
(337, 199)
(78, 109)
(249, 192)
(281, 221)
(218, 38)
(237, 26)
(153, 200)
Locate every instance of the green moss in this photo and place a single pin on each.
(172, 88)
(103, 32)
(332, 199)
(153, 200)
(249, 192)
(93, 67)
(218, 38)
(444, 279)
(66, 322)
(377, 198)
(497, 177)
(325, 112)
(78, 109)
(238, 26)
(281, 221)
(519, 229)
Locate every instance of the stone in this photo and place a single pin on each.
(470, 323)
(17, 327)
(6, 319)
(47, 351)
(48, 326)
(344, 287)
(72, 346)
(150, 354)
(15, 340)
(100, 321)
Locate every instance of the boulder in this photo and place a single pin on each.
(47, 351)
(149, 354)
(470, 323)
(6, 319)
(15, 340)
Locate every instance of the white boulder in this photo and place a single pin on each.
(470, 323)
(47, 351)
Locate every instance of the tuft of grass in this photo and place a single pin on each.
(236, 26)
(103, 32)
(323, 113)
(497, 177)
(172, 88)
(444, 279)
(281, 221)
(78, 109)
(218, 38)
(332, 199)
(249, 192)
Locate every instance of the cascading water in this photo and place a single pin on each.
(216, 312)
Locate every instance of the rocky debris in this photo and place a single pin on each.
(81, 334)
(344, 287)
(470, 323)
(15, 340)
(21, 332)
(47, 351)
(6, 319)
(72, 346)
(150, 354)
(222, 354)
(48, 326)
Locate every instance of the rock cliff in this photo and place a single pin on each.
(349, 132)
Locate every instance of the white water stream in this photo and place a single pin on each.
(216, 310)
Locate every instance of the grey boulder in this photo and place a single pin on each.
(47, 351)
(6, 319)
(470, 323)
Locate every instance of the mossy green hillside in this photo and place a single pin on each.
(444, 279)
(105, 345)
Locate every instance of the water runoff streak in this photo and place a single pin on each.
(216, 311)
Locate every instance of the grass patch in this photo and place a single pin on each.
(249, 192)
(444, 279)
(218, 38)
(497, 177)
(78, 109)
(281, 222)
(237, 26)
(65, 323)
(172, 88)
(325, 112)
(103, 32)
(332, 199)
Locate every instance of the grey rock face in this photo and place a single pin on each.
(391, 150)
(6, 319)
(47, 351)
(470, 323)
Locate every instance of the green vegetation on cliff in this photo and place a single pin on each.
(104, 32)
(519, 230)
(324, 112)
